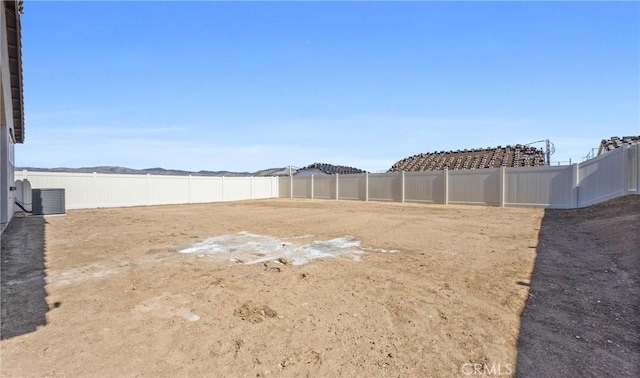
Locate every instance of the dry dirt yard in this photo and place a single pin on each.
(122, 301)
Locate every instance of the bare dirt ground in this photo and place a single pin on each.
(582, 317)
(123, 302)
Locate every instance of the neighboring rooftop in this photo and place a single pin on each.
(331, 169)
(615, 142)
(479, 158)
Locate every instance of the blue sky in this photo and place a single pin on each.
(244, 86)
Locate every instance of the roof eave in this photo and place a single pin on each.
(13, 9)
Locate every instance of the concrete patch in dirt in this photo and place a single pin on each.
(249, 248)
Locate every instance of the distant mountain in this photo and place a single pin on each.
(276, 172)
(161, 171)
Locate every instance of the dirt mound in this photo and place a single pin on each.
(613, 225)
(624, 205)
(255, 313)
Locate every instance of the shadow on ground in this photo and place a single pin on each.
(581, 317)
(22, 277)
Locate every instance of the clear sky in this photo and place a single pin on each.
(244, 86)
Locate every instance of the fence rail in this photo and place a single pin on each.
(610, 175)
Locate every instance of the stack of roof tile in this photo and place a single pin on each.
(615, 142)
(479, 158)
(331, 169)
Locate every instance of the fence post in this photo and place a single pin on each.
(222, 188)
(366, 186)
(148, 189)
(446, 186)
(626, 169)
(311, 186)
(637, 148)
(575, 183)
(502, 185)
(402, 184)
(94, 190)
(337, 186)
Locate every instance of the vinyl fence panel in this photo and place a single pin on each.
(539, 187)
(324, 187)
(424, 187)
(168, 190)
(352, 187)
(634, 169)
(385, 187)
(284, 186)
(302, 186)
(102, 190)
(476, 187)
(205, 189)
(602, 178)
(237, 188)
(262, 187)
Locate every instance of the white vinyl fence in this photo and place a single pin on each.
(87, 190)
(610, 175)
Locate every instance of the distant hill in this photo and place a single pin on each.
(161, 171)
